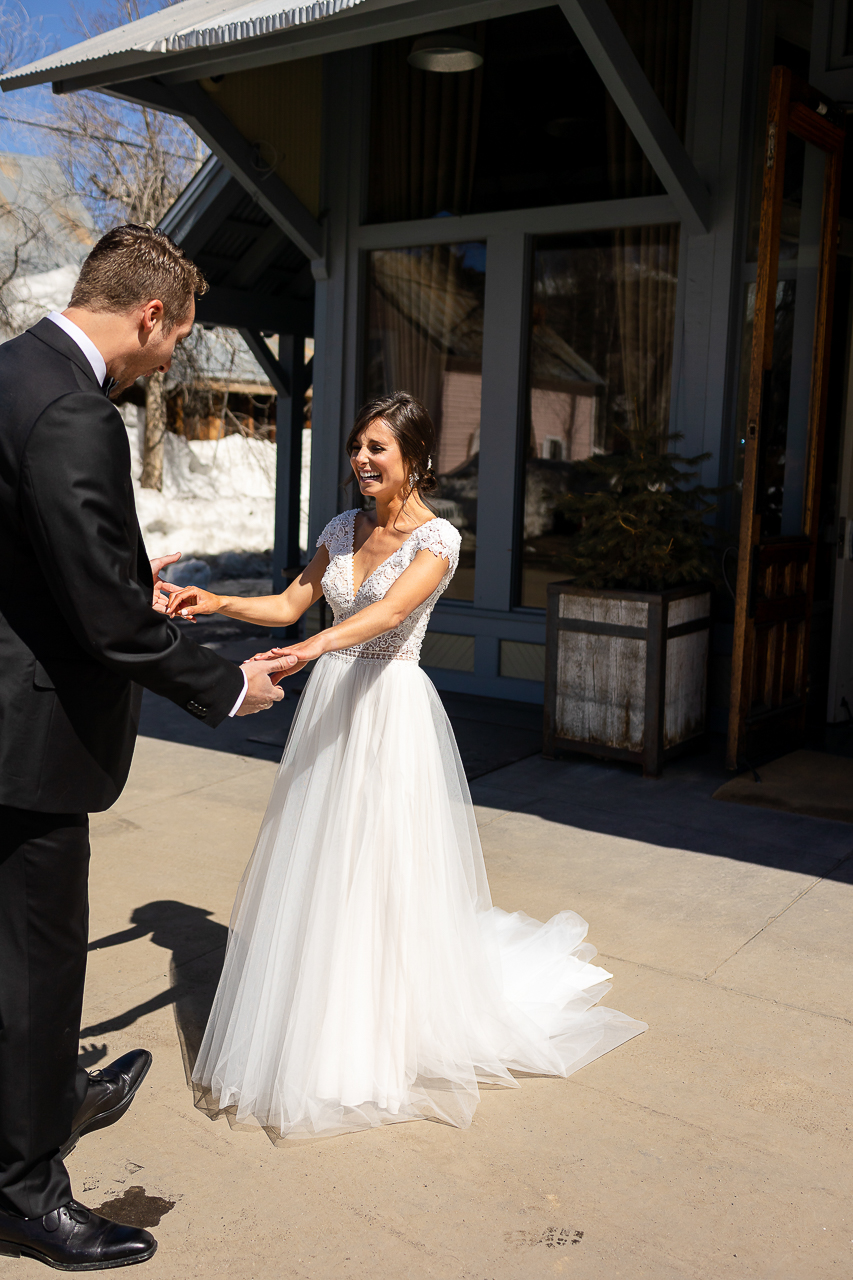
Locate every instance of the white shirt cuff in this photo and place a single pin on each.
(238, 704)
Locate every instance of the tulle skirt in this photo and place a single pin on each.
(368, 978)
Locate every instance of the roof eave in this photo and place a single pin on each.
(104, 68)
(368, 22)
(161, 52)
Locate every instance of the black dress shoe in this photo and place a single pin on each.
(73, 1238)
(110, 1093)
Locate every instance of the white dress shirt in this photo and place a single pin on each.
(99, 368)
(84, 342)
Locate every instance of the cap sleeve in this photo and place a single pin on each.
(336, 534)
(440, 537)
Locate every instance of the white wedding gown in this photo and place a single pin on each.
(368, 978)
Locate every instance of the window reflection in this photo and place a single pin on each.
(601, 338)
(425, 336)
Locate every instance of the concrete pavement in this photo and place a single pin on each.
(715, 1146)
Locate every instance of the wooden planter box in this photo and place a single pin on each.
(626, 672)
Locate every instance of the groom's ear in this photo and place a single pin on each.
(152, 315)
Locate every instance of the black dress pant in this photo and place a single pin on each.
(44, 910)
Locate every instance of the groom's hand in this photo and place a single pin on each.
(262, 689)
(161, 599)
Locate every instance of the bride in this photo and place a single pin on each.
(368, 978)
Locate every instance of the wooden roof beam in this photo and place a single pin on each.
(192, 104)
(199, 209)
(257, 259)
(268, 362)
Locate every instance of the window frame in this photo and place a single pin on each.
(509, 237)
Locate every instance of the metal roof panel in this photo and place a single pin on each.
(190, 24)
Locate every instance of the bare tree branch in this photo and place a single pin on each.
(21, 38)
(21, 41)
(127, 163)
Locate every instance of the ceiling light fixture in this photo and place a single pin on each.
(445, 51)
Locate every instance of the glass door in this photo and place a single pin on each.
(782, 448)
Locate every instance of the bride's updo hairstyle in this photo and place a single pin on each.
(411, 426)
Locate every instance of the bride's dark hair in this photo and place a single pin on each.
(411, 426)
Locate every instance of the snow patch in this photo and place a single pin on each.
(218, 495)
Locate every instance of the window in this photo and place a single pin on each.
(424, 335)
(600, 351)
(532, 126)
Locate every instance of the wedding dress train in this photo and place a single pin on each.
(368, 977)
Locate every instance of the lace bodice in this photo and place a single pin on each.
(404, 642)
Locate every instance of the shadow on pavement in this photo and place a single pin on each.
(197, 944)
(675, 811)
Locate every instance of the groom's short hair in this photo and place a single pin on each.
(131, 265)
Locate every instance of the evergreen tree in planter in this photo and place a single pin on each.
(642, 524)
(627, 634)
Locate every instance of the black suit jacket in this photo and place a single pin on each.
(78, 635)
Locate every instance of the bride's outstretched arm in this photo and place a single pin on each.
(272, 611)
(411, 589)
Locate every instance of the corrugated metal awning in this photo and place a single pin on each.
(193, 24)
(247, 21)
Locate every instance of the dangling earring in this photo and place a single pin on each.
(413, 480)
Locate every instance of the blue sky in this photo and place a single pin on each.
(56, 16)
(57, 27)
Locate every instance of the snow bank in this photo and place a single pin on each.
(218, 495)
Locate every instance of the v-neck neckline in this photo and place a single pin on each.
(353, 592)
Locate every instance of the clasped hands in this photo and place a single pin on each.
(263, 672)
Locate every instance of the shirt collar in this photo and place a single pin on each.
(84, 342)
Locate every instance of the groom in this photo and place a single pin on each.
(79, 640)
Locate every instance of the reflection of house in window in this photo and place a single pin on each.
(460, 415)
(564, 401)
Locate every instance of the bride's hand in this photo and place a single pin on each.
(184, 602)
(303, 653)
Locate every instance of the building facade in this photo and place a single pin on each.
(557, 236)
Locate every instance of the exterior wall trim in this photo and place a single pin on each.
(462, 619)
(487, 686)
(594, 215)
(831, 69)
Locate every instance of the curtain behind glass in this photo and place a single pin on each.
(645, 259)
(425, 336)
(417, 306)
(645, 270)
(658, 31)
(423, 137)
